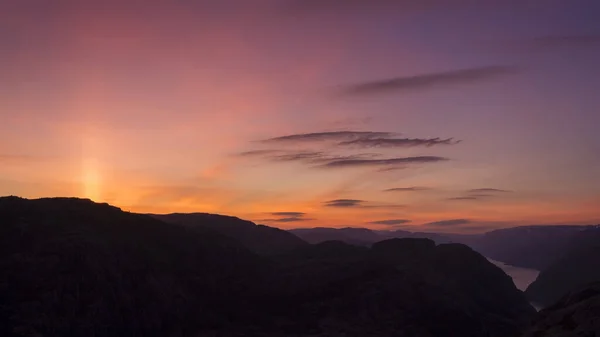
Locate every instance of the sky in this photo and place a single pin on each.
(438, 115)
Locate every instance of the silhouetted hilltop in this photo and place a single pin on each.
(574, 315)
(257, 238)
(362, 236)
(580, 265)
(402, 287)
(355, 236)
(71, 267)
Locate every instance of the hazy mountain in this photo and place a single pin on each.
(71, 267)
(533, 247)
(580, 265)
(576, 314)
(257, 238)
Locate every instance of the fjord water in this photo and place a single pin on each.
(522, 277)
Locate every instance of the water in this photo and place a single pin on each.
(522, 277)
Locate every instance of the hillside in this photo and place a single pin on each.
(574, 315)
(580, 265)
(260, 239)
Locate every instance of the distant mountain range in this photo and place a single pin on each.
(535, 247)
(568, 256)
(71, 267)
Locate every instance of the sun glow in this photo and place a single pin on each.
(91, 179)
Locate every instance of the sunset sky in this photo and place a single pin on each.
(441, 115)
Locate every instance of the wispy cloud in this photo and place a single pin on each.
(283, 217)
(344, 203)
(391, 222)
(448, 223)
(399, 142)
(383, 162)
(463, 198)
(488, 190)
(258, 153)
(428, 81)
(288, 219)
(407, 189)
(328, 136)
(356, 203)
(290, 214)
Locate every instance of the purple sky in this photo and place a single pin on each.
(453, 115)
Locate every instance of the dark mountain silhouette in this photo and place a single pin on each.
(534, 247)
(260, 239)
(70, 267)
(402, 287)
(580, 265)
(355, 236)
(362, 236)
(574, 315)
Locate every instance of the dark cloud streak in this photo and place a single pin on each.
(428, 81)
(391, 222)
(383, 162)
(328, 136)
(407, 189)
(448, 223)
(400, 142)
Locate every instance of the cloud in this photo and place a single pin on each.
(464, 198)
(328, 136)
(383, 162)
(344, 203)
(288, 219)
(407, 189)
(355, 203)
(390, 222)
(428, 81)
(400, 142)
(282, 217)
(258, 153)
(448, 223)
(565, 41)
(290, 214)
(487, 190)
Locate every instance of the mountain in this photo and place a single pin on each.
(71, 267)
(534, 247)
(355, 236)
(401, 287)
(576, 314)
(362, 236)
(260, 239)
(579, 265)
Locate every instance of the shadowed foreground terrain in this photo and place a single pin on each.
(71, 267)
(576, 314)
(579, 266)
